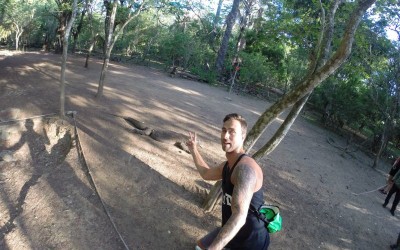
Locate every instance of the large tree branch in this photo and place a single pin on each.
(308, 84)
(318, 57)
(283, 129)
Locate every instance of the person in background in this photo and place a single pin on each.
(392, 172)
(394, 190)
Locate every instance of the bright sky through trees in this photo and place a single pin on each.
(392, 35)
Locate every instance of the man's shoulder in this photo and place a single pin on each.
(248, 160)
(250, 168)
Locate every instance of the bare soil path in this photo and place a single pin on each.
(151, 189)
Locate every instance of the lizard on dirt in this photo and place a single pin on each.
(161, 135)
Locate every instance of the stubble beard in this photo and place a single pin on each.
(229, 148)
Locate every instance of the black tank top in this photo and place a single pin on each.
(253, 235)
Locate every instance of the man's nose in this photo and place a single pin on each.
(225, 135)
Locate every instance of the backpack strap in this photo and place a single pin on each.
(259, 215)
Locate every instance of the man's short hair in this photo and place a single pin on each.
(239, 118)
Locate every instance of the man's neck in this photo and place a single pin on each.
(233, 156)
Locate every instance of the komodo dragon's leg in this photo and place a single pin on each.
(182, 145)
(170, 137)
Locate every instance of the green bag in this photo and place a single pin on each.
(271, 217)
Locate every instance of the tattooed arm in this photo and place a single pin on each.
(244, 179)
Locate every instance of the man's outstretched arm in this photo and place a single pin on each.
(206, 172)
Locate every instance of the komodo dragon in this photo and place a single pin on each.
(170, 137)
(133, 122)
(165, 136)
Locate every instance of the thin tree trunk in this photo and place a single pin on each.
(18, 33)
(62, 89)
(61, 31)
(111, 41)
(93, 36)
(230, 21)
(382, 146)
(76, 33)
(92, 44)
(257, 23)
(107, 47)
(215, 23)
(213, 197)
(241, 42)
(64, 59)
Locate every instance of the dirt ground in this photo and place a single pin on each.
(150, 190)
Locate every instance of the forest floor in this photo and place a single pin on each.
(151, 190)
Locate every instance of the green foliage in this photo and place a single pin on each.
(4, 32)
(20, 19)
(363, 93)
(255, 69)
(45, 26)
(205, 74)
(174, 47)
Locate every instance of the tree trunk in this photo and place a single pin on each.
(382, 146)
(93, 36)
(109, 25)
(17, 36)
(111, 41)
(18, 32)
(76, 33)
(92, 44)
(213, 197)
(257, 23)
(230, 21)
(61, 32)
(241, 42)
(64, 59)
(63, 67)
(215, 23)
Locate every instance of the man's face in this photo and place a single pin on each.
(231, 136)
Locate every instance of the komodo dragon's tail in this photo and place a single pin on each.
(132, 121)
